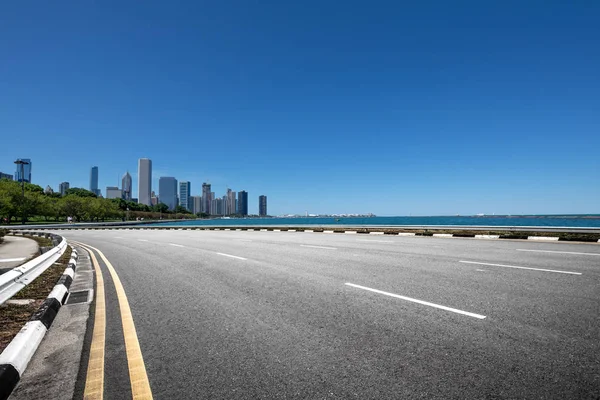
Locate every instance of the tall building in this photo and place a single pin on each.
(126, 186)
(63, 187)
(196, 204)
(242, 203)
(48, 190)
(262, 205)
(153, 199)
(113, 192)
(145, 181)
(206, 198)
(94, 181)
(185, 188)
(6, 176)
(230, 208)
(167, 191)
(23, 172)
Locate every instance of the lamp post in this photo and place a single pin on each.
(22, 164)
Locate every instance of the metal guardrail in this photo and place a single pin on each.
(16, 279)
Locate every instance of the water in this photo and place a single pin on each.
(574, 221)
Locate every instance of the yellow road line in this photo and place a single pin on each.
(94, 383)
(140, 386)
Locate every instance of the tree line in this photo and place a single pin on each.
(77, 203)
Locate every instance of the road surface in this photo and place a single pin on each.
(282, 315)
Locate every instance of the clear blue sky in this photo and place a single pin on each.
(395, 108)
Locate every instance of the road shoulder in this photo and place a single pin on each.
(53, 370)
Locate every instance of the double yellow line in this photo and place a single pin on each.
(94, 385)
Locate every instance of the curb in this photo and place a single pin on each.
(18, 353)
(513, 233)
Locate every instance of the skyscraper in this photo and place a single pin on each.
(23, 172)
(196, 204)
(63, 187)
(94, 181)
(185, 188)
(126, 186)
(262, 205)
(230, 202)
(206, 198)
(167, 191)
(242, 202)
(145, 181)
(113, 192)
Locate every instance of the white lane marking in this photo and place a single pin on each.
(176, 245)
(12, 259)
(373, 240)
(560, 252)
(244, 240)
(229, 255)
(425, 303)
(118, 237)
(481, 270)
(318, 247)
(142, 240)
(514, 266)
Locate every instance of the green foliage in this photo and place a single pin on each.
(182, 210)
(80, 192)
(160, 208)
(80, 204)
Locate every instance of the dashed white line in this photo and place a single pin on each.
(425, 303)
(373, 240)
(118, 237)
(318, 247)
(560, 252)
(142, 240)
(176, 245)
(232, 256)
(517, 267)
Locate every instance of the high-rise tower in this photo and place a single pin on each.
(242, 203)
(94, 181)
(185, 188)
(126, 186)
(167, 191)
(262, 205)
(23, 172)
(144, 181)
(206, 198)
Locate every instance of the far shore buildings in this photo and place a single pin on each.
(145, 181)
(6, 176)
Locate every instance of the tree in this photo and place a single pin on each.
(182, 210)
(79, 192)
(160, 207)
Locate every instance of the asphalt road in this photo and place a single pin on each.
(245, 315)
